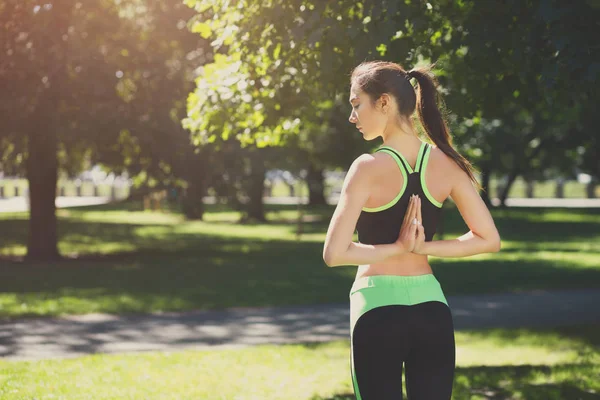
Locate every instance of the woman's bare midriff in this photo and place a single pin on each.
(405, 264)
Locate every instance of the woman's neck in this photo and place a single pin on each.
(406, 141)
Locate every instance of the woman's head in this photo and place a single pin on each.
(381, 94)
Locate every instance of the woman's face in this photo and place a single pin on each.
(368, 118)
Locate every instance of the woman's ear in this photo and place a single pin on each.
(385, 102)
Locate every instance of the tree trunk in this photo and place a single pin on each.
(524, 164)
(42, 158)
(591, 189)
(192, 202)
(192, 199)
(529, 188)
(514, 174)
(560, 188)
(254, 208)
(316, 186)
(42, 174)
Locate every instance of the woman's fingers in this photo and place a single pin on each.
(414, 225)
(415, 208)
(419, 216)
(420, 227)
(422, 231)
(416, 218)
(412, 217)
(408, 213)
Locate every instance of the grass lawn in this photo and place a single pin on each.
(140, 261)
(492, 364)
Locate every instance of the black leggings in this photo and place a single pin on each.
(419, 338)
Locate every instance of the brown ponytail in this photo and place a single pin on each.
(432, 121)
(378, 77)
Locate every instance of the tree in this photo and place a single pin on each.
(280, 74)
(511, 70)
(510, 66)
(48, 74)
(88, 81)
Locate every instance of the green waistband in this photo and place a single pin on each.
(374, 291)
(392, 281)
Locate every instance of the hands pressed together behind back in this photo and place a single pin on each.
(412, 234)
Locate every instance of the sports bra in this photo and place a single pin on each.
(381, 225)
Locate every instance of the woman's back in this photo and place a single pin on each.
(423, 170)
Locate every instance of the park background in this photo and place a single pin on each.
(204, 144)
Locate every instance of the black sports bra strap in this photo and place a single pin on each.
(420, 166)
(406, 168)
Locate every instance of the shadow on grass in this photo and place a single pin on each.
(218, 274)
(205, 272)
(170, 270)
(523, 226)
(508, 382)
(535, 224)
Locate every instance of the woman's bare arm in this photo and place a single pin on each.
(483, 236)
(339, 249)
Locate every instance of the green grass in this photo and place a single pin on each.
(127, 260)
(491, 364)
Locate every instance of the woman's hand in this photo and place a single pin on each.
(408, 230)
(418, 247)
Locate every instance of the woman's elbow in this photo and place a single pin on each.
(332, 260)
(328, 259)
(495, 244)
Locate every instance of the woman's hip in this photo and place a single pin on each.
(369, 292)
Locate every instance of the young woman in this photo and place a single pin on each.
(399, 316)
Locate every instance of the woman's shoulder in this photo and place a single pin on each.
(374, 163)
(371, 166)
(440, 161)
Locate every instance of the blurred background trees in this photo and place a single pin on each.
(205, 97)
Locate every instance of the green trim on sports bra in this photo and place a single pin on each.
(405, 182)
(423, 184)
(420, 154)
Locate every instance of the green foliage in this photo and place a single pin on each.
(512, 67)
(522, 75)
(111, 76)
(280, 63)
